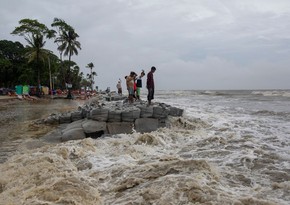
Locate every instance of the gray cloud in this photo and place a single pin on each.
(225, 44)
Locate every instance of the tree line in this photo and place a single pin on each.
(33, 64)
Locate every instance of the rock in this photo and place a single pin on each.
(119, 127)
(99, 114)
(73, 134)
(146, 125)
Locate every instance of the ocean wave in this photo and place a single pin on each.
(274, 93)
(271, 113)
(169, 166)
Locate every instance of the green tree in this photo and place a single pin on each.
(90, 76)
(12, 63)
(68, 44)
(61, 27)
(37, 53)
(73, 70)
(34, 33)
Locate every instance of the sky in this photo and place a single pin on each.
(194, 44)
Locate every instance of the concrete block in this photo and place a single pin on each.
(119, 127)
(91, 126)
(73, 125)
(160, 112)
(176, 112)
(99, 114)
(52, 119)
(73, 134)
(146, 125)
(115, 116)
(77, 115)
(130, 115)
(65, 118)
(146, 111)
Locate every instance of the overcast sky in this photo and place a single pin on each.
(194, 44)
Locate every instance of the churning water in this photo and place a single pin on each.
(231, 147)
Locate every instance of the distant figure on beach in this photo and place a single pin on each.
(150, 85)
(139, 84)
(130, 85)
(119, 87)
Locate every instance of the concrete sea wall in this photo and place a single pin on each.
(99, 117)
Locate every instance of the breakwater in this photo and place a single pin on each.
(99, 117)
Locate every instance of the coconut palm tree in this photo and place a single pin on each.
(36, 52)
(91, 75)
(69, 46)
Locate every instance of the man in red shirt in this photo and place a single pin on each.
(150, 85)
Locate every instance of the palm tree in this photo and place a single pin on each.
(36, 52)
(91, 75)
(61, 26)
(69, 46)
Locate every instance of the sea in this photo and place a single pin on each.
(230, 147)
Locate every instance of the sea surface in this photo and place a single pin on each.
(230, 147)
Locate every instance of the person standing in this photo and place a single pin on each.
(119, 87)
(139, 84)
(150, 85)
(130, 85)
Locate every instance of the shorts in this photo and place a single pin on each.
(131, 91)
(138, 91)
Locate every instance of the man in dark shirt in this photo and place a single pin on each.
(150, 85)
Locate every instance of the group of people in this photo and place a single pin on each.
(134, 85)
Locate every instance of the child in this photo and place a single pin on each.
(130, 85)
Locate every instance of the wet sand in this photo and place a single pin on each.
(17, 121)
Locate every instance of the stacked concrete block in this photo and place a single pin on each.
(97, 118)
(65, 118)
(146, 111)
(160, 112)
(73, 134)
(130, 114)
(77, 115)
(94, 129)
(99, 114)
(115, 116)
(73, 125)
(119, 127)
(146, 125)
(176, 112)
(52, 119)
